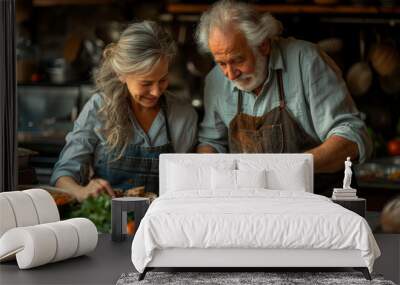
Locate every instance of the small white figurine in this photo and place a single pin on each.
(345, 193)
(347, 174)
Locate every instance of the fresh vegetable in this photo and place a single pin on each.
(130, 227)
(98, 210)
(61, 198)
(393, 147)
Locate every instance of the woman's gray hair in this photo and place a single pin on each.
(256, 27)
(140, 47)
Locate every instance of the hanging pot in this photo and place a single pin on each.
(359, 76)
(390, 84)
(384, 58)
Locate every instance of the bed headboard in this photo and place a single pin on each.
(272, 160)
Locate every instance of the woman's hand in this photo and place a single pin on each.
(94, 188)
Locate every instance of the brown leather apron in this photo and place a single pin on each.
(276, 132)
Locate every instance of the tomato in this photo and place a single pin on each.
(393, 147)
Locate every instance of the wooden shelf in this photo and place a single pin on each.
(178, 8)
(183, 8)
(46, 3)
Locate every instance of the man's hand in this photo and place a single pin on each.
(205, 149)
(329, 157)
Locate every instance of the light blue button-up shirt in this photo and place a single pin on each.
(315, 94)
(82, 142)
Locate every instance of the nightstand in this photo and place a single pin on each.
(358, 205)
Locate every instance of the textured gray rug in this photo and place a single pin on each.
(269, 278)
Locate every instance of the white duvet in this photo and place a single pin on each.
(252, 218)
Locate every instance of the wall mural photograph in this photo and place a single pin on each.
(180, 141)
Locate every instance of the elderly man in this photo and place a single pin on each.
(273, 95)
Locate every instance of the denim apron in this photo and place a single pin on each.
(277, 132)
(137, 167)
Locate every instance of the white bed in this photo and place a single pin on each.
(201, 220)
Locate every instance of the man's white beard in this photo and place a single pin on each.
(249, 82)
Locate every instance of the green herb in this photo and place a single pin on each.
(98, 210)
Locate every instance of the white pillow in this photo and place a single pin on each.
(182, 177)
(293, 179)
(186, 175)
(251, 178)
(281, 174)
(228, 179)
(223, 179)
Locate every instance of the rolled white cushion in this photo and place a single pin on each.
(40, 244)
(23, 208)
(87, 235)
(45, 205)
(7, 218)
(66, 238)
(33, 246)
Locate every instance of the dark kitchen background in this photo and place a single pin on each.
(59, 43)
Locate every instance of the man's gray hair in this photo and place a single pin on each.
(256, 27)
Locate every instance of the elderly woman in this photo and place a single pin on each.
(130, 121)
